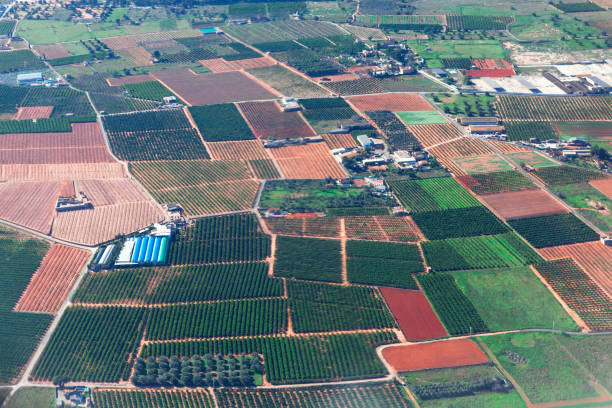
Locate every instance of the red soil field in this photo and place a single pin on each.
(31, 204)
(338, 140)
(61, 172)
(217, 65)
(34, 112)
(101, 224)
(414, 314)
(109, 192)
(603, 185)
(459, 148)
(391, 102)
(489, 73)
(130, 79)
(237, 150)
(508, 147)
(53, 279)
(522, 204)
(119, 43)
(382, 228)
(593, 257)
(83, 145)
(137, 56)
(491, 63)
(309, 161)
(440, 354)
(430, 135)
(52, 51)
(269, 121)
(206, 89)
(67, 188)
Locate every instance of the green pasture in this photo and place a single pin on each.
(32, 397)
(513, 298)
(420, 117)
(590, 202)
(434, 50)
(482, 164)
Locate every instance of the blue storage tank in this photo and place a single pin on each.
(150, 246)
(136, 250)
(156, 249)
(143, 249)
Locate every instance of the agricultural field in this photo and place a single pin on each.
(523, 204)
(532, 159)
(482, 164)
(421, 117)
(496, 182)
(394, 130)
(537, 108)
(434, 194)
(579, 292)
(282, 31)
(246, 280)
(590, 202)
(286, 82)
(19, 61)
(151, 398)
(567, 174)
(269, 122)
(390, 102)
(383, 263)
(463, 147)
(513, 298)
(552, 230)
(596, 133)
(308, 259)
(221, 122)
(461, 222)
(436, 51)
(430, 135)
(542, 368)
(522, 130)
(466, 105)
(153, 91)
(309, 161)
(494, 251)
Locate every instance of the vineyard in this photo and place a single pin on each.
(496, 182)
(567, 174)
(319, 307)
(92, 345)
(579, 292)
(538, 108)
(394, 130)
(383, 263)
(432, 194)
(457, 313)
(52, 280)
(264, 169)
(220, 239)
(461, 222)
(553, 230)
(178, 284)
(152, 398)
(257, 317)
(308, 259)
(290, 360)
(379, 395)
(19, 332)
(221, 122)
(495, 251)
(269, 122)
(521, 204)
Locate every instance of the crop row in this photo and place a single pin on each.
(317, 109)
(152, 398)
(398, 136)
(220, 122)
(308, 258)
(157, 120)
(179, 144)
(179, 284)
(478, 22)
(541, 108)
(527, 130)
(151, 90)
(496, 182)
(567, 174)
(433, 194)
(552, 230)
(457, 313)
(460, 222)
(290, 360)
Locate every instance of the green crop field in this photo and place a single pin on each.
(152, 90)
(591, 203)
(533, 159)
(497, 182)
(540, 366)
(513, 298)
(527, 130)
(153, 398)
(220, 122)
(308, 258)
(568, 174)
(287, 82)
(435, 50)
(420, 117)
(495, 251)
(434, 194)
(28, 397)
(460, 222)
(552, 230)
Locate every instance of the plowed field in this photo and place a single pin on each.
(521, 204)
(31, 204)
(441, 354)
(103, 223)
(430, 135)
(459, 148)
(414, 314)
(382, 228)
(603, 185)
(508, 147)
(310, 161)
(391, 102)
(53, 279)
(593, 257)
(130, 79)
(52, 51)
(34, 112)
(108, 192)
(237, 150)
(270, 122)
(218, 65)
(61, 171)
(336, 141)
(137, 56)
(209, 89)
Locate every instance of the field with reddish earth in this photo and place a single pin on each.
(34, 112)
(119, 43)
(52, 51)
(237, 150)
(309, 161)
(594, 258)
(522, 204)
(430, 135)
(53, 279)
(414, 314)
(22, 172)
(208, 89)
(84, 144)
(109, 192)
(459, 148)
(391, 102)
(319, 227)
(508, 147)
(338, 140)
(270, 122)
(439, 354)
(382, 228)
(603, 185)
(31, 203)
(217, 65)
